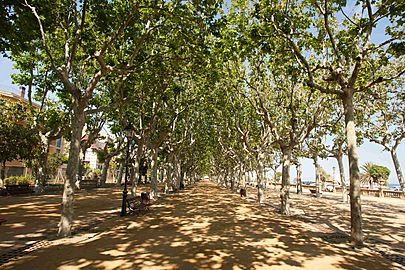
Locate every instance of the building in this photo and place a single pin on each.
(17, 167)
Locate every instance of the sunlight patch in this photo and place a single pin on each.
(114, 253)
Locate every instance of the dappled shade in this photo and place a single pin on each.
(206, 227)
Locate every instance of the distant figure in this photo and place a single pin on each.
(145, 198)
(242, 192)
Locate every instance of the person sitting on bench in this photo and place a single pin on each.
(145, 198)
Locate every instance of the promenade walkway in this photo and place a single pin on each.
(203, 227)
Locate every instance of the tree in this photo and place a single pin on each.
(105, 156)
(83, 42)
(386, 125)
(18, 140)
(339, 61)
(315, 150)
(288, 108)
(373, 173)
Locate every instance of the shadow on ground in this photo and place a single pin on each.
(204, 227)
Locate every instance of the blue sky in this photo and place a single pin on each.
(368, 152)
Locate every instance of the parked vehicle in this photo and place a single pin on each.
(329, 187)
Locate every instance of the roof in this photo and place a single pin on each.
(16, 97)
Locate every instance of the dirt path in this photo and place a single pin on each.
(204, 227)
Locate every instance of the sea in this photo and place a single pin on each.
(394, 186)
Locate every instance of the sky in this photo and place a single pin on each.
(368, 152)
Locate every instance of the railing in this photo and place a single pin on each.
(378, 193)
(394, 194)
(364, 191)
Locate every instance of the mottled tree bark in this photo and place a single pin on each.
(153, 182)
(67, 215)
(299, 177)
(339, 158)
(120, 172)
(285, 181)
(137, 174)
(398, 169)
(259, 177)
(355, 192)
(317, 176)
(104, 172)
(42, 173)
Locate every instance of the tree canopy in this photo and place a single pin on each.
(215, 87)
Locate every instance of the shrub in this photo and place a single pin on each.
(19, 180)
(97, 174)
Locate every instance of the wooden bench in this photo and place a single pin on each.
(313, 191)
(19, 189)
(139, 203)
(85, 184)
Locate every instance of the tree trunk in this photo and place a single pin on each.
(232, 180)
(3, 172)
(153, 182)
(106, 165)
(317, 176)
(339, 158)
(240, 177)
(66, 221)
(42, 173)
(177, 177)
(182, 175)
(299, 178)
(137, 173)
(165, 179)
(398, 169)
(355, 192)
(170, 172)
(120, 172)
(285, 181)
(259, 177)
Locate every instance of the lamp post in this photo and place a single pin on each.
(128, 130)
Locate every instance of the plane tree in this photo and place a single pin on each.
(386, 124)
(83, 42)
(340, 56)
(288, 108)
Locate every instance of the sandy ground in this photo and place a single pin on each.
(203, 227)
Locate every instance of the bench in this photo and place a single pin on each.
(19, 189)
(139, 203)
(85, 184)
(313, 191)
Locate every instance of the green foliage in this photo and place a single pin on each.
(54, 162)
(375, 173)
(18, 138)
(278, 177)
(96, 174)
(19, 180)
(380, 172)
(324, 175)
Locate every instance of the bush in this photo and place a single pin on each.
(19, 180)
(97, 174)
